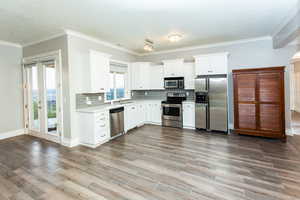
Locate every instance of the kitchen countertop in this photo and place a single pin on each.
(108, 106)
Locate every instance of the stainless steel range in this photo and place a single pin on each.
(172, 110)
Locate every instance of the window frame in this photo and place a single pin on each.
(126, 90)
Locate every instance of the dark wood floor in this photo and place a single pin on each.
(152, 163)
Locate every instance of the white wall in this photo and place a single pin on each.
(11, 101)
(246, 55)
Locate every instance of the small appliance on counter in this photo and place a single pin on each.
(174, 83)
(172, 110)
(211, 103)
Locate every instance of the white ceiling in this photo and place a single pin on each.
(129, 22)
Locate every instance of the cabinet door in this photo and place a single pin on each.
(141, 114)
(202, 65)
(156, 74)
(189, 115)
(156, 113)
(211, 64)
(270, 102)
(99, 73)
(144, 77)
(189, 76)
(135, 76)
(218, 64)
(173, 68)
(245, 101)
(149, 112)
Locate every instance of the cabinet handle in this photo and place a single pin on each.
(209, 71)
(102, 125)
(101, 88)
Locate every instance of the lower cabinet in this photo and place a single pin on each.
(142, 113)
(94, 128)
(130, 120)
(153, 113)
(188, 115)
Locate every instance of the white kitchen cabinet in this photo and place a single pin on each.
(153, 113)
(156, 77)
(131, 119)
(189, 76)
(94, 128)
(95, 76)
(211, 64)
(140, 75)
(188, 115)
(141, 114)
(173, 68)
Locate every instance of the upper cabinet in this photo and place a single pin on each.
(211, 64)
(156, 77)
(173, 68)
(189, 76)
(145, 76)
(95, 76)
(140, 75)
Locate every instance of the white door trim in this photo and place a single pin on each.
(56, 55)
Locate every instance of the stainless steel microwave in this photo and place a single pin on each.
(174, 83)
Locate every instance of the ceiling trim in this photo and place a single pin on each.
(10, 44)
(208, 46)
(97, 40)
(44, 39)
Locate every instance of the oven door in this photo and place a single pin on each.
(172, 112)
(169, 84)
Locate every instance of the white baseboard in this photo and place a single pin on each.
(70, 142)
(10, 134)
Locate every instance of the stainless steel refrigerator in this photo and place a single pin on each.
(211, 103)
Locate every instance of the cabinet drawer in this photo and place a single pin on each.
(101, 135)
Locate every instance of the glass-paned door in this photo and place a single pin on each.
(51, 98)
(42, 94)
(34, 98)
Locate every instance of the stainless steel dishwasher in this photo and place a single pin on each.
(116, 121)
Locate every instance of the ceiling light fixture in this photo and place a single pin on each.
(174, 37)
(148, 45)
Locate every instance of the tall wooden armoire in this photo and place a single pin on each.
(259, 107)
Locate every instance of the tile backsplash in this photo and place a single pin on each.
(159, 94)
(81, 100)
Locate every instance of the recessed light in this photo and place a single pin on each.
(175, 37)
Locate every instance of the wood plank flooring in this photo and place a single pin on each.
(152, 163)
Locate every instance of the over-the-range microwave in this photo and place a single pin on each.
(174, 83)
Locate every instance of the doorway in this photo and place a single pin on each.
(42, 78)
(295, 94)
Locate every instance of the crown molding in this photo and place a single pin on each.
(10, 44)
(293, 13)
(44, 39)
(235, 42)
(96, 40)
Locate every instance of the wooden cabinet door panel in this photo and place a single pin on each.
(270, 117)
(245, 86)
(247, 116)
(269, 87)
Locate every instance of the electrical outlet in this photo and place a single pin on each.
(146, 93)
(99, 98)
